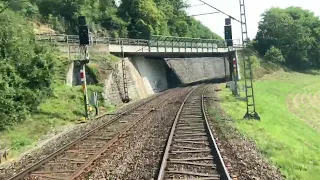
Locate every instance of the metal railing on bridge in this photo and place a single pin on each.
(74, 39)
(155, 42)
(183, 42)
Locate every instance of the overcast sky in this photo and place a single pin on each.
(254, 9)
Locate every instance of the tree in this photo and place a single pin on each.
(293, 31)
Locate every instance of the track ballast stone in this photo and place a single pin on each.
(138, 154)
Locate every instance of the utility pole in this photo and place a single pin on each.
(84, 58)
(251, 107)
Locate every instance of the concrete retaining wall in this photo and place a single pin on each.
(113, 89)
(191, 70)
(153, 73)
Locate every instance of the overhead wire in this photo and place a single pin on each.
(204, 14)
(231, 17)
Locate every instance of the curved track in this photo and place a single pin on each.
(191, 151)
(74, 158)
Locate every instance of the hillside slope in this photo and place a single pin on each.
(132, 18)
(289, 130)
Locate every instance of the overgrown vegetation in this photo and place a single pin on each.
(34, 99)
(290, 37)
(27, 70)
(133, 18)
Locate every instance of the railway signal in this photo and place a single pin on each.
(228, 32)
(84, 58)
(229, 41)
(84, 35)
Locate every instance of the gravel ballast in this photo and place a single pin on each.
(138, 154)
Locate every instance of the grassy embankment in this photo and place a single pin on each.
(289, 131)
(63, 109)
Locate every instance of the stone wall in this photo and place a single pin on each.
(190, 70)
(113, 89)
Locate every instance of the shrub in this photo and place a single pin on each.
(274, 55)
(26, 69)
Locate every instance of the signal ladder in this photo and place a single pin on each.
(125, 98)
(251, 107)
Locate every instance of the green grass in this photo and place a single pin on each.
(285, 137)
(64, 108)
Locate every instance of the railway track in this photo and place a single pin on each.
(191, 151)
(72, 160)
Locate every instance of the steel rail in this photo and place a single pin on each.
(166, 154)
(88, 162)
(222, 172)
(35, 166)
(221, 165)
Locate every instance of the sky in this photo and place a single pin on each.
(254, 9)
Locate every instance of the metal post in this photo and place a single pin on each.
(84, 59)
(69, 55)
(235, 74)
(225, 68)
(157, 45)
(202, 46)
(251, 107)
(165, 45)
(84, 87)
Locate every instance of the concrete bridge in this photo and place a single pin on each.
(151, 65)
(156, 46)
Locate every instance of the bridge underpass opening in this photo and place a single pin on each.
(159, 74)
(189, 71)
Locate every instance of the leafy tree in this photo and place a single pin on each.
(294, 31)
(143, 17)
(134, 18)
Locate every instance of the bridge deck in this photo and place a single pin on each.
(192, 47)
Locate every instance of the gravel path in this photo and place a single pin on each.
(245, 160)
(138, 154)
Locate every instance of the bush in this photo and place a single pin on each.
(26, 69)
(274, 55)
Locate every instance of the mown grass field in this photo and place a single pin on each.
(289, 131)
